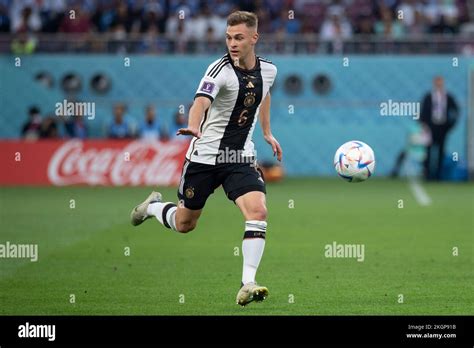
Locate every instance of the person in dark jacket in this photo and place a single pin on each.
(31, 128)
(439, 112)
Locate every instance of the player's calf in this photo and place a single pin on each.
(186, 219)
(185, 226)
(177, 218)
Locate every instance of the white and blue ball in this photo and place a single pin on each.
(354, 161)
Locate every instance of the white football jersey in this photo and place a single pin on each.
(236, 95)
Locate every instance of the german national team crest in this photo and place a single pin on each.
(189, 192)
(249, 99)
(207, 87)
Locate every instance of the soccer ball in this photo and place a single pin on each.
(354, 161)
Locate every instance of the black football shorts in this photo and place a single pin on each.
(198, 181)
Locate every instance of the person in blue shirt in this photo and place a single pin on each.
(119, 128)
(180, 121)
(150, 128)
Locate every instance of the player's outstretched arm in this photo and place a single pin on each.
(267, 132)
(196, 112)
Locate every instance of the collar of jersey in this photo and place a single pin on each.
(255, 68)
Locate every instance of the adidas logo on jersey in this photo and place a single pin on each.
(250, 85)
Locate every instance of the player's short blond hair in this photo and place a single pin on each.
(243, 17)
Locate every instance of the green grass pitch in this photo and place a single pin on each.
(408, 251)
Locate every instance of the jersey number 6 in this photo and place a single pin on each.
(242, 118)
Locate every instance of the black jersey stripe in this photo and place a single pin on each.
(215, 67)
(219, 70)
(211, 74)
(206, 113)
(243, 113)
(265, 60)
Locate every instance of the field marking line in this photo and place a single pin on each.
(420, 194)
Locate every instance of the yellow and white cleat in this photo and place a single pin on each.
(139, 213)
(251, 292)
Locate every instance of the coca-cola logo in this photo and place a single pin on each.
(137, 163)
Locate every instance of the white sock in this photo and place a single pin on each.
(252, 248)
(157, 209)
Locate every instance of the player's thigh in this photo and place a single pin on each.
(253, 205)
(198, 182)
(246, 187)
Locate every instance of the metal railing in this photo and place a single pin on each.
(268, 44)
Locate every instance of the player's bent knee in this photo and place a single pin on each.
(258, 213)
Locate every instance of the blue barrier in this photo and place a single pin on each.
(309, 126)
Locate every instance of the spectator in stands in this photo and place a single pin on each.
(49, 128)
(122, 19)
(223, 7)
(199, 24)
(190, 7)
(4, 18)
(289, 26)
(217, 23)
(77, 22)
(439, 112)
(364, 26)
(264, 21)
(152, 42)
(410, 15)
(102, 17)
(119, 27)
(150, 128)
(336, 8)
(23, 43)
(335, 30)
(119, 128)
(442, 16)
(190, 26)
(75, 127)
(152, 16)
(445, 25)
(180, 121)
(418, 28)
(52, 13)
(25, 19)
(248, 5)
(177, 31)
(31, 128)
(211, 45)
(387, 26)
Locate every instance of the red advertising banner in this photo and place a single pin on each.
(92, 162)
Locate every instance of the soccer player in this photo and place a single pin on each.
(232, 94)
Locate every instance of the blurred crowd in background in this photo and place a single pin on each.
(156, 26)
(120, 125)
